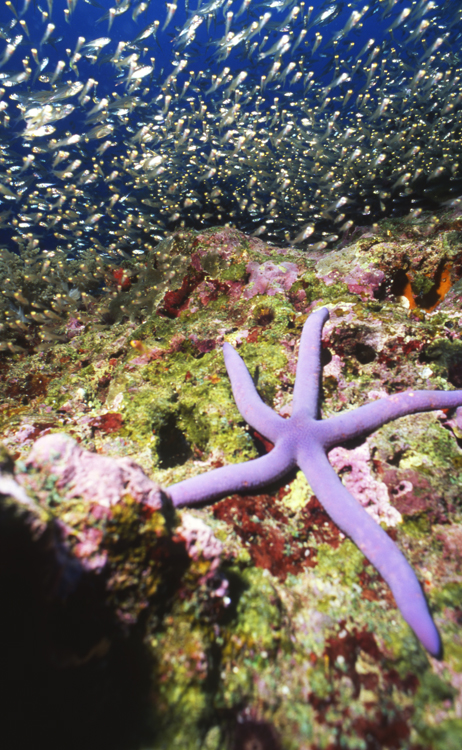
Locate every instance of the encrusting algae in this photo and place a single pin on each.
(283, 635)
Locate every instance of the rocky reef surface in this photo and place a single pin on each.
(128, 624)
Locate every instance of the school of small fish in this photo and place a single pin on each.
(290, 121)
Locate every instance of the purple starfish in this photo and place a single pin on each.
(303, 441)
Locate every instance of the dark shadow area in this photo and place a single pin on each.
(455, 372)
(256, 735)
(69, 676)
(173, 448)
(364, 353)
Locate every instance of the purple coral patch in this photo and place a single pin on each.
(99, 480)
(364, 281)
(270, 278)
(361, 281)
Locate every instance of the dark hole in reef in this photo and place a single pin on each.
(364, 353)
(118, 353)
(432, 297)
(256, 735)
(430, 354)
(455, 373)
(237, 586)
(263, 315)
(429, 299)
(353, 443)
(173, 449)
(399, 283)
(380, 294)
(397, 457)
(326, 357)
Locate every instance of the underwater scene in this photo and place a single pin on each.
(231, 375)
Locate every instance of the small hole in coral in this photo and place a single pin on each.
(364, 353)
(256, 735)
(326, 357)
(173, 448)
(455, 373)
(263, 315)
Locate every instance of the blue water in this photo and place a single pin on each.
(400, 56)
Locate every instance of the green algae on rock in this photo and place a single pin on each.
(310, 643)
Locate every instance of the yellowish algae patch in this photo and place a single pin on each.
(299, 493)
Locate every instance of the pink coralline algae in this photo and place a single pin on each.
(202, 544)
(74, 327)
(361, 281)
(104, 483)
(203, 345)
(26, 433)
(99, 480)
(87, 549)
(364, 282)
(145, 358)
(270, 278)
(354, 467)
(412, 493)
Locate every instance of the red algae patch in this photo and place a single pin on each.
(355, 655)
(30, 386)
(272, 541)
(107, 423)
(177, 300)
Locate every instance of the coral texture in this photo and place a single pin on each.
(253, 618)
(303, 440)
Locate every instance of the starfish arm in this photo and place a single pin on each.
(308, 376)
(260, 416)
(375, 544)
(370, 417)
(247, 476)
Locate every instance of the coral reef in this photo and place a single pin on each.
(256, 620)
(303, 440)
